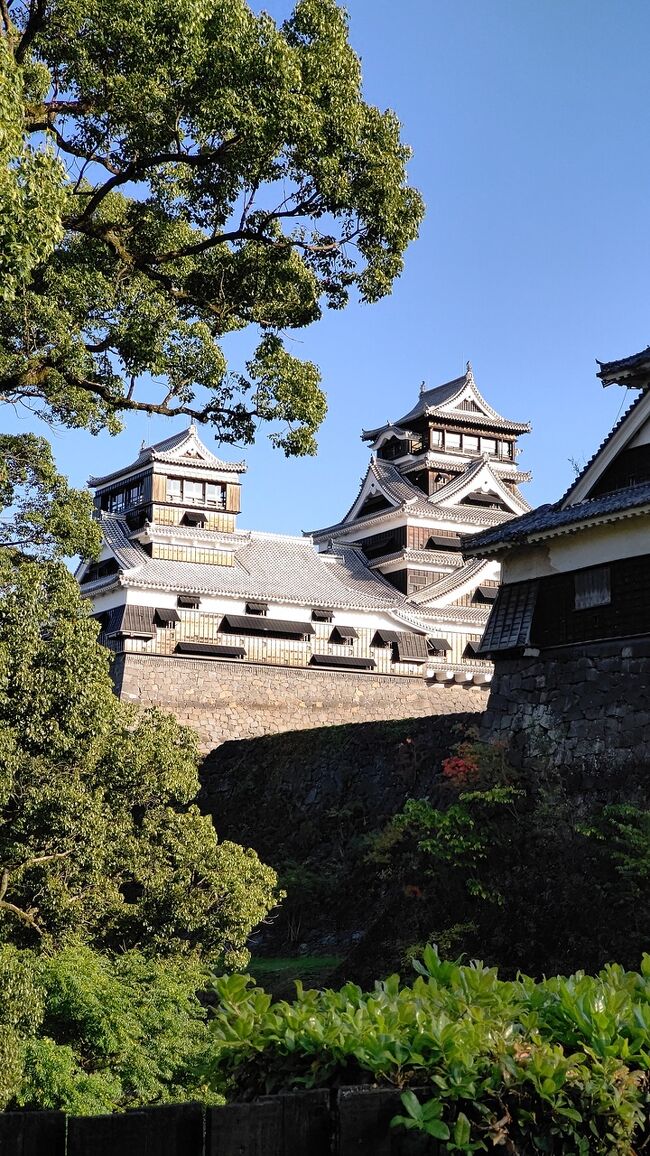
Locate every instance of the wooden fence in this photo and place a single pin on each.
(349, 1122)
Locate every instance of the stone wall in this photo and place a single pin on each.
(581, 706)
(229, 700)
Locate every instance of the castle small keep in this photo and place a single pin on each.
(242, 633)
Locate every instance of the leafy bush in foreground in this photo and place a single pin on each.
(87, 1034)
(559, 1065)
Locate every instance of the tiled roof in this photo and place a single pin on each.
(511, 618)
(394, 484)
(161, 451)
(626, 502)
(504, 468)
(618, 372)
(415, 557)
(274, 567)
(457, 484)
(450, 582)
(439, 398)
(412, 501)
(116, 535)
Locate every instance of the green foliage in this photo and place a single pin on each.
(221, 173)
(21, 1010)
(85, 1033)
(556, 1066)
(32, 182)
(48, 518)
(99, 838)
(536, 873)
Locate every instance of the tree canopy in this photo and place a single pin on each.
(99, 838)
(183, 172)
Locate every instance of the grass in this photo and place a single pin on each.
(277, 973)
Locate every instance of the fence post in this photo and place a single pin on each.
(32, 1133)
(253, 1129)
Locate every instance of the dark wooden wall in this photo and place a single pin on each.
(556, 622)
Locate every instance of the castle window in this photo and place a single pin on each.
(322, 615)
(344, 634)
(505, 449)
(452, 440)
(488, 445)
(438, 645)
(592, 588)
(173, 489)
(257, 608)
(166, 618)
(215, 495)
(435, 438)
(192, 491)
(188, 602)
(470, 442)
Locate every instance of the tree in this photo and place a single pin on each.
(99, 839)
(47, 518)
(222, 173)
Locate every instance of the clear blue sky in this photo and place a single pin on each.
(529, 125)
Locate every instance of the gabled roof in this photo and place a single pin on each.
(383, 477)
(633, 371)
(184, 448)
(452, 584)
(479, 477)
(552, 520)
(444, 401)
(622, 433)
(116, 535)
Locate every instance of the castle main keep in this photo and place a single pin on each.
(242, 633)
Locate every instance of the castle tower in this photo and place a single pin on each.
(445, 469)
(177, 499)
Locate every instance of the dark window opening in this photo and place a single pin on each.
(166, 618)
(438, 645)
(187, 602)
(99, 570)
(485, 593)
(210, 650)
(345, 634)
(372, 504)
(194, 518)
(322, 615)
(275, 627)
(592, 588)
(257, 608)
(347, 660)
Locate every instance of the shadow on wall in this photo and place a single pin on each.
(285, 794)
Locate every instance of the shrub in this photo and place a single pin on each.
(559, 1065)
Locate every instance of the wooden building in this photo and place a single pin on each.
(446, 468)
(176, 577)
(384, 592)
(570, 630)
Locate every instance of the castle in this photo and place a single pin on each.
(241, 632)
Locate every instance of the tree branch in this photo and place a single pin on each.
(32, 28)
(25, 916)
(6, 19)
